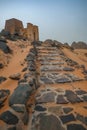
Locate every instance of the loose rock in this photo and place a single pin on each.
(61, 100)
(67, 110)
(72, 97)
(20, 94)
(75, 127)
(9, 118)
(67, 118)
(2, 79)
(15, 76)
(47, 97)
(40, 108)
(50, 123)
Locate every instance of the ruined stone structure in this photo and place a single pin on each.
(31, 32)
(16, 26)
(13, 26)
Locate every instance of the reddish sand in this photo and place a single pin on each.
(78, 55)
(17, 58)
(16, 65)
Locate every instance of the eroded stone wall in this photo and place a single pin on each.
(36, 32)
(16, 26)
(32, 32)
(13, 26)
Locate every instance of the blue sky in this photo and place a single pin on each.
(62, 20)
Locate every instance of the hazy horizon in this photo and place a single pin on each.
(62, 20)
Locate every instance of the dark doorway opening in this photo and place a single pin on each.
(34, 36)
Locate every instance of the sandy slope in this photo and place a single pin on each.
(77, 55)
(16, 64)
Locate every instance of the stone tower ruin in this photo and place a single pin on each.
(16, 26)
(32, 32)
(13, 26)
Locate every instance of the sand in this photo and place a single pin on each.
(77, 55)
(16, 64)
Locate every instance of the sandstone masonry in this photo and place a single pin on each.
(15, 26)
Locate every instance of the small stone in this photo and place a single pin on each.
(51, 67)
(1, 105)
(32, 68)
(85, 77)
(73, 77)
(47, 97)
(61, 100)
(84, 98)
(27, 75)
(3, 96)
(4, 47)
(25, 69)
(57, 110)
(15, 76)
(48, 89)
(72, 97)
(75, 127)
(62, 80)
(40, 108)
(81, 92)
(46, 80)
(30, 57)
(22, 81)
(85, 107)
(1, 66)
(82, 66)
(31, 83)
(4, 93)
(85, 72)
(67, 110)
(50, 122)
(81, 118)
(2, 79)
(68, 69)
(67, 118)
(20, 95)
(9, 118)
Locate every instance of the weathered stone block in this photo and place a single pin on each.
(20, 94)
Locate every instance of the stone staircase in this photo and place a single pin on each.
(57, 95)
(47, 98)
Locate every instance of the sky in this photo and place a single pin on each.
(62, 20)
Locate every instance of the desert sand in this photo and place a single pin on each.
(16, 64)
